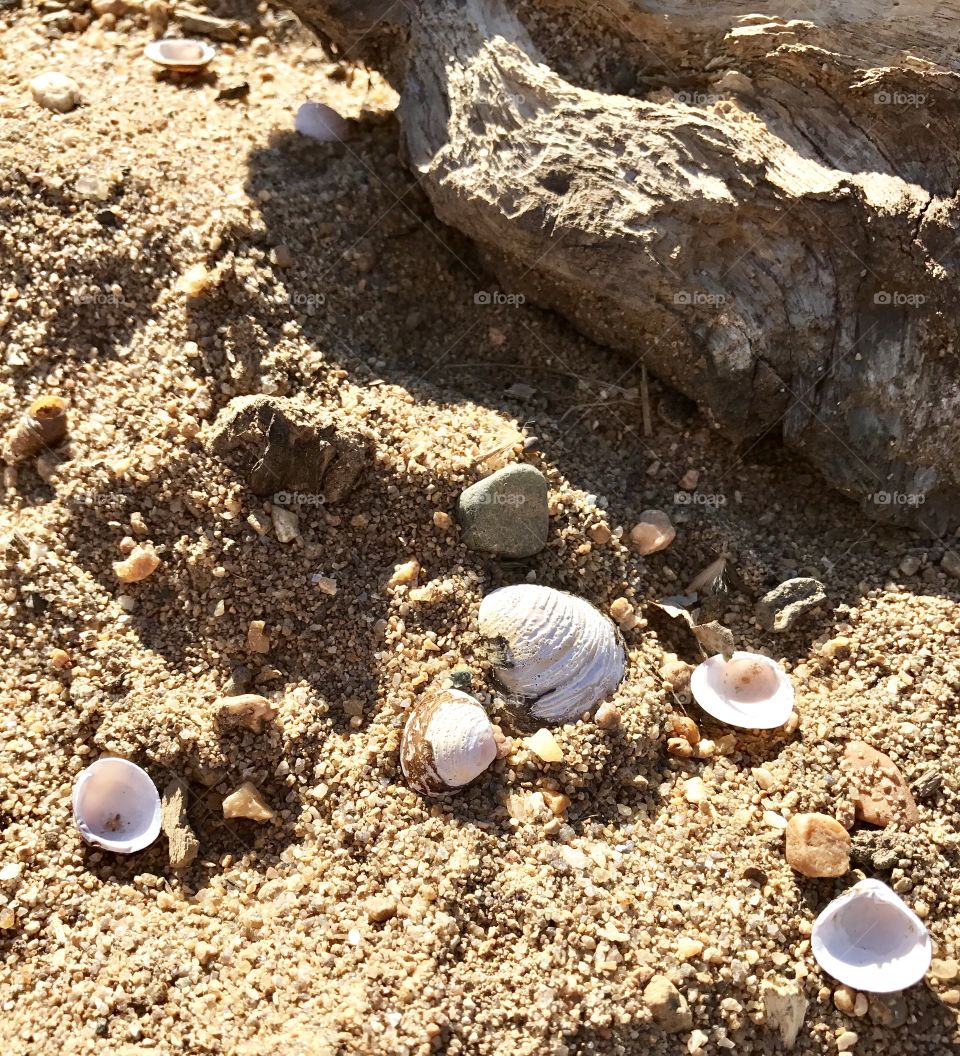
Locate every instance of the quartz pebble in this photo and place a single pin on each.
(246, 801)
(286, 524)
(381, 908)
(667, 1005)
(141, 562)
(544, 745)
(258, 641)
(608, 716)
(784, 1009)
(55, 91)
(817, 845)
(652, 533)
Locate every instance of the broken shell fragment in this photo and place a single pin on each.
(44, 425)
(447, 742)
(116, 806)
(180, 56)
(553, 650)
(869, 939)
(748, 690)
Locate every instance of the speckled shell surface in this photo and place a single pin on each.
(116, 806)
(552, 649)
(871, 940)
(447, 742)
(749, 690)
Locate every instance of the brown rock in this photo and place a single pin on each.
(817, 845)
(653, 532)
(668, 1005)
(381, 908)
(880, 794)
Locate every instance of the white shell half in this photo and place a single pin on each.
(748, 690)
(553, 649)
(321, 122)
(871, 940)
(116, 806)
(447, 742)
(179, 54)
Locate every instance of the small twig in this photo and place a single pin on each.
(645, 401)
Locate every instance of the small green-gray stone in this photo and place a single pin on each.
(506, 513)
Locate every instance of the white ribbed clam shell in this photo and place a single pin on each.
(116, 806)
(558, 652)
(748, 690)
(447, 742)
(871, 940)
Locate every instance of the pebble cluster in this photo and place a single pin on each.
(606, 888)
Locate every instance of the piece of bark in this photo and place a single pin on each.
(184, 845)
(283, 446)
(778, 243)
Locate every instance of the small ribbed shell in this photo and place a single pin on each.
(44, 425)
(116, 806)
(447, 742)
(552, 649)
(871, 940)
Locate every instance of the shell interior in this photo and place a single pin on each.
(869, 939)
(116, 806)
(553, 649)
(178, 53)
(748, 690)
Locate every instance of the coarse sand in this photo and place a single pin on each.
(163, 250)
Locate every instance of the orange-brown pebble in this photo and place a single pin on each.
(142, 562)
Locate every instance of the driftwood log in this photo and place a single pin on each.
(771, 222)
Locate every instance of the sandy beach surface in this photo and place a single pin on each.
(170, 244)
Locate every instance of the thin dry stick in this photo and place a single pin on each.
(645, 401)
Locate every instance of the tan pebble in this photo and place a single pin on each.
(945, 969)
(667, 1005)
(683, 726)
(286, 524)
(847, 1040)
(556, 801)
(282, 256)
(774, 820)
(687, 948)
(950, 997)
(763, 777)
(544, 745)
(652, 533)
(326, 585)
(677, 673)
(844, 998)
(247, 802)
(621, 609)
(381, 908)
(195, 280)
(258, 641)
(204, 952)
(249, 709)
(689, 480)
(608, 716)
(600, 534)
(695, 791)
(835, 647)
(680, 748)
(60, 659)
(8, 919)
(727, 744)
(706, 748)
(404, 574)
(442, 520)
(792, 724)
(861, 1006)
(142, 562)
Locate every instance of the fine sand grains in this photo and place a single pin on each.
(530, 913)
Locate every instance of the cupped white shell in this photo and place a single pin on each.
(180, 55)
(871, 940)
(447, 742)
(748, 690)
(321, 122)
(554, 650)
(116, 806)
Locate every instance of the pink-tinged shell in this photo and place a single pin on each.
(447, 742)
(322, 123)
(748, 690)
(116, 806)
(179, 55)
